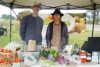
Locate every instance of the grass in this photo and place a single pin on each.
(79, 39)
(74, 38)
(4, 40)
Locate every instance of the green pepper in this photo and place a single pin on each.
(52, 51)
(55, 53)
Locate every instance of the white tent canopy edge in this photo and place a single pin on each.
(51, 4)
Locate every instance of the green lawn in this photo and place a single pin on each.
(74, 38)
(4, 40)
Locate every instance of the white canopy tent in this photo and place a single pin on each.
(52, 4)
(48, 4)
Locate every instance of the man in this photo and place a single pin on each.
(31, 28)
(57, 32)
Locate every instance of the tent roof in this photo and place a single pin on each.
(48, 4)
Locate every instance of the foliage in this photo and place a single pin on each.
(68, 23)
(5, 39)
(23, 14)
(5, 16)
(90, 16)
(81, 15)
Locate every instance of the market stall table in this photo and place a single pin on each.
(78, 65)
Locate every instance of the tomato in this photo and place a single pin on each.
(2, 50)
(9, 51)
(18, 60)
(2, 60)
(5, 51)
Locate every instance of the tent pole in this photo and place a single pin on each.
(93, 23)
(94, 7)
(11, 7)
(10, 23)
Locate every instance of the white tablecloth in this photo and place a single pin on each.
(79, 65)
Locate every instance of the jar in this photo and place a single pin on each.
(88, 57)
(83, 56)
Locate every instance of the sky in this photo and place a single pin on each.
(6, 10)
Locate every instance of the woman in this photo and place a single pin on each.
(57, 32)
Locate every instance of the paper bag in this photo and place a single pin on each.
(31, 45)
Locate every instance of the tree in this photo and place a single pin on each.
(90, 17)
(12, 17)
(5, 16)
(23, 14)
